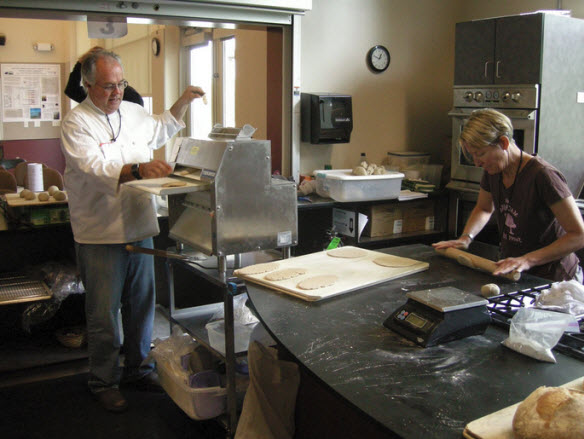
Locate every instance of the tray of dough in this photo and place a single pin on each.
(330, 273)
(168, 185)
(15, 200)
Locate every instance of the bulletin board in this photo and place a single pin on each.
(32, 102)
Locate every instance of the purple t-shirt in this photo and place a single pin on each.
(525, 220)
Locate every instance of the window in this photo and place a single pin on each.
(212, 67)
(201, 74)
(228, 82)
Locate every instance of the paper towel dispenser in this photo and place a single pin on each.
(326, 117)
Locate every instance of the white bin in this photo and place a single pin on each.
(342, 185)
(203, 403)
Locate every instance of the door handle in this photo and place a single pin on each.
(486, 68)
(497, 70)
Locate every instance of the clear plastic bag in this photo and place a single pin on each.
(534, 332)
(241, 313)
(62, 280)
(567, 297)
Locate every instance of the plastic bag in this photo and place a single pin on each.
(171, 350)
(567, 297)
(241, 313)
(534, 332)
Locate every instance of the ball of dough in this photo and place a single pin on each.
(44, 196)
(52, 189)
(25, 193)
(550, 413)
(490, 290)
(60, 196)
(359, 170)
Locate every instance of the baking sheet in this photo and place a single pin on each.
(14, 200)
(353, 273)
(155, 186)
(499, 425)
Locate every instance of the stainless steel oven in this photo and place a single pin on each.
(520, 104)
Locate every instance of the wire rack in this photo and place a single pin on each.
(18, 288)
(504, 307)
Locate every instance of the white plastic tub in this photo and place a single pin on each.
(342, 185)
(197, 403)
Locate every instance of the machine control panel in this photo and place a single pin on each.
(497, 96)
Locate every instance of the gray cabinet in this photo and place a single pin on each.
(506, 50)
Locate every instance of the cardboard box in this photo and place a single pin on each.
(419, 216)
(384, 220)
(395, 218)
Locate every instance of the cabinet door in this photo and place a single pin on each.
(474, 52)
(518, 49)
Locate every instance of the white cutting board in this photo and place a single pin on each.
(155, 186)
(14, 200)
(353, 274)
(499, 425)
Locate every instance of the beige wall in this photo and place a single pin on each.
(404, 108)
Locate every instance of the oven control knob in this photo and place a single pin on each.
(468, 96)
(506, 96)
(516, 96)
(478, 96)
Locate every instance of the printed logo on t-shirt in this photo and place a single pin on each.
(510, 214)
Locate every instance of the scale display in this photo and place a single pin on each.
(439, 315)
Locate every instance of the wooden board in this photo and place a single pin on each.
(155, 186)
(353, 274)
(499, 425)
(14, 200)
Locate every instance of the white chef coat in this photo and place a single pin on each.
(101, 211)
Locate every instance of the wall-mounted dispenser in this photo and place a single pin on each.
(326, 117)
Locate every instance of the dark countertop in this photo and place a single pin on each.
(412, 391)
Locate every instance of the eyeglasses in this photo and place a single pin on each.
(111, 87)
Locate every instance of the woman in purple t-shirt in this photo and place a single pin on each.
(540, 226)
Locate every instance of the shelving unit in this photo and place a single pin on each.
(193, 319)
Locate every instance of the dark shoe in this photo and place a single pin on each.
(112, 400)
(148, 383)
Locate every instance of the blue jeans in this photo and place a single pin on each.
(116, 279)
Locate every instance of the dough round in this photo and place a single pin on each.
(259, 268)
(52, 189)
(44, 196)
(394, 261)
(490, 290)
(286, 273)
(26, 193)
(174, 184)
(347, 252)
(550, 413)
(60, 196)
(316, 282)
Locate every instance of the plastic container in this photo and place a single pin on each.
(342, 185)
(216, 332)
(406, 159)
(432, 174)
(197, 403)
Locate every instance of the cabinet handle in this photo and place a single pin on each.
(486, 68)
(497, 70)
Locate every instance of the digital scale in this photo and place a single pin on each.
(439, 315)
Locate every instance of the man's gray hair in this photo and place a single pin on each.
(88, 66)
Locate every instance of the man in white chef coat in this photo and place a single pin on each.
(106, 142)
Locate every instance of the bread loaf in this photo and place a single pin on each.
(550, 413)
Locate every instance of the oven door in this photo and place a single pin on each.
(524, 128)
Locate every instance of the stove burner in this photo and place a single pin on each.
(504, 307)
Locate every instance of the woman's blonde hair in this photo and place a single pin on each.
(484, 128)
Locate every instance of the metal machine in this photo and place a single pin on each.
(241, 208)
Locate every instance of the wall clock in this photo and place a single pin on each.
(155, 46)
(378, 58)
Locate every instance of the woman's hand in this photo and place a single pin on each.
(508, 265)
(462, 243)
